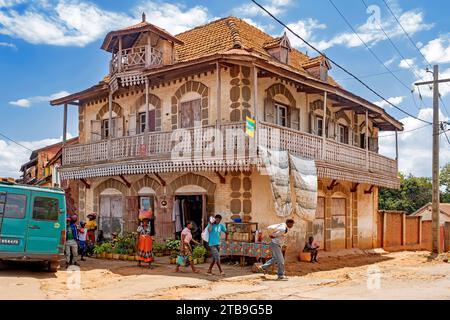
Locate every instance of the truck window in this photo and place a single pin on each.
(13, 205)
(45, 209)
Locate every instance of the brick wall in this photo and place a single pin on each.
(394, 229)
(426, 235)
(412, 231)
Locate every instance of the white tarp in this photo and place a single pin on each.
(304, 173)
(277, 166)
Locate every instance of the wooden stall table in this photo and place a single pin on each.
(245, 249)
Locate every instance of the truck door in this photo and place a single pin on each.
(13, 220)
(44, 226)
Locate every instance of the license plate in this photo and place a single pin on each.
(9, 241)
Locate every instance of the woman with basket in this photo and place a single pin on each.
(186, 249)
(145, 241)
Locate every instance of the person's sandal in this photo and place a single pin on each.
(209, 273)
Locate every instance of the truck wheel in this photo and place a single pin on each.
(53, 266)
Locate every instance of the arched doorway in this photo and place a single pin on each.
(109, 203)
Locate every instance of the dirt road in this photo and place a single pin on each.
(403, 275)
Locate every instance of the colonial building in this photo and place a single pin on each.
(214, 77)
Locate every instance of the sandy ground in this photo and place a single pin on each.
(346, 275)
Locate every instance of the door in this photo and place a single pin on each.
(190, 112)
(13, 220)
(338, 223)
(44, 226)
(319, 223)
(111, 215)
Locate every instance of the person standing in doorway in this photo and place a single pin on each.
(71, 246)
(91, 226)
(186, 249)
(278, 236)
(215, 229)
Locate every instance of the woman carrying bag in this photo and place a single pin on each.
(186, 249)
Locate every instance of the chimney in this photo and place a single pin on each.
(143, 16)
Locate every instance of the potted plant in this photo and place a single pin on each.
(199, 253)
(131, 256)
(174, 247)
(158, 249)
(108, 250)
(173, 257)
(98, 250)
(115, 252)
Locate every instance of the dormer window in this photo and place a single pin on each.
(279, 48)
(318, 67)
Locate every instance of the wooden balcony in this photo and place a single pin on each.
(155, 151)
(135, 58)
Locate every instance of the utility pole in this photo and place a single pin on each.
(435, 192)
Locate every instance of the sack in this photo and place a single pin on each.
(181, 260)
(205, 235)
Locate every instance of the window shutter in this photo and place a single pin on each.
(96, 130)
(312, 123)
(295, 118)
(132, 124)
(269, 112)
(119, 127)
(328, 130)
(346, 135)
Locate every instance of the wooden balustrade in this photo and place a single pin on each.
(234, 145)
(141, 56)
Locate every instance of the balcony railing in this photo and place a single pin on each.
(135, 57)
(159, 146)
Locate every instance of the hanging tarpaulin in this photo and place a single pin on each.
(277, 166)
(304, 173)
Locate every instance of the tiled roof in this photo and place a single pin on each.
(228, 33)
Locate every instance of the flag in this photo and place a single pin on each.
(250, 127)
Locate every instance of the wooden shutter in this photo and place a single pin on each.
(269, 112)
(327, 125)
(196, 112)
(312, 123)
(132, 214)
(186, 116)
(295, 118)
(152, 120)
(346, 137)
(96, 130)
(119, 127)
(132, 124)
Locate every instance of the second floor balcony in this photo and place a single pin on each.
(134, 58)
(228, 144)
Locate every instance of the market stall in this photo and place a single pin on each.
(243, 241)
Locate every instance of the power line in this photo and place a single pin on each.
(370, 75)
(406, 33)
(336, 64)
(403, 132)
(1, 134)
(367, 46)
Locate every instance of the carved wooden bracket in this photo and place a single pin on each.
(161, 180)
(332, 185)
(354, 187)
(125, 181)
(370, 190)
(222, 178)
(87, 185)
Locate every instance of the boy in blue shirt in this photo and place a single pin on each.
(215, 230)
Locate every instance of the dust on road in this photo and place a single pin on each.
(401, 275)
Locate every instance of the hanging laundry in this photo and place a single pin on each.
(176, 216)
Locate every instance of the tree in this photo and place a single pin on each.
(445, 183)
(414, 193)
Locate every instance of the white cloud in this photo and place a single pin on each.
(370, 32)
(78, 23)
(426, 91)
(10, 3)
(438, 50)
(276, 7)
(415, 147)
(305, 29)
(406, 63)
(393, 100)
(28, 102)
(13, 156)
(390, 61)
(175, 18)
(8, 44)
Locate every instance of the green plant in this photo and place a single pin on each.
(158, 247)
(107, 247)
(98, 249)
(173, 245)
(199, 252)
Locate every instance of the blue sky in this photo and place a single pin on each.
(52, 47)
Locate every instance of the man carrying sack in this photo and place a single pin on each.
(278, 233)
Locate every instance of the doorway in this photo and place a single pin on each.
(111, 214)
(191, 207)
